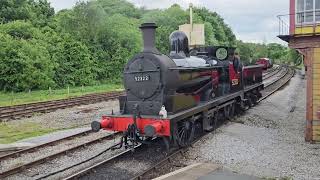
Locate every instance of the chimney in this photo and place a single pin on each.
(149, 38)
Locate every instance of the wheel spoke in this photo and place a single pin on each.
(184, 133)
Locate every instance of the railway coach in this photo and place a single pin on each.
(265, 62)
(175, 97)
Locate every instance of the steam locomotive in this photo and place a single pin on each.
(174, 96)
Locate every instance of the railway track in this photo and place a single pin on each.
(280, 82)
(110, 162)
(51, 143)
(105, 166)
(272, 72)
(27, 110)
(276, 76)
(11, 163)
(270, 69)
(270, 88)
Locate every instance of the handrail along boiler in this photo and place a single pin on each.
(177, 95)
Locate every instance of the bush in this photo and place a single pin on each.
(85, 45)
(25, 64)
(74, 63)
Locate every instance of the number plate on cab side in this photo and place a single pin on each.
(142, 78)
(235, 82)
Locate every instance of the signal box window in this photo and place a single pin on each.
(308, 11)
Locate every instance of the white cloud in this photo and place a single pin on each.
(254, 21)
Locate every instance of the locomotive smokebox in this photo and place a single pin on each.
(149, 37)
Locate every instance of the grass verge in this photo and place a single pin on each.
(9, 99)
(10, 133)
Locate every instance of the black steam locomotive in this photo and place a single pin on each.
(171, 96)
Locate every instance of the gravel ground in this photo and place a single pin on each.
(72, 117)
(268, 141)
(49, 150)
(129, 165)
(79, 116)
(68, 160)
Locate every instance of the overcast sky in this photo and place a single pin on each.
(251, 20)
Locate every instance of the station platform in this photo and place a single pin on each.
(205, 171)
(30, 142)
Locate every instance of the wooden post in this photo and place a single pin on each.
(191, 16)
(309, 112)
(191, 21)
(11, 97)
(316, 95)
(68, 91)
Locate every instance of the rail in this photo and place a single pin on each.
(22, 166)
(284, 27)
(19, 111)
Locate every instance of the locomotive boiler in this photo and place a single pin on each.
(153, 80)
(169, 96)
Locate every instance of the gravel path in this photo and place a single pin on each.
(268, 141)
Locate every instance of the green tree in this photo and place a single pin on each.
(25, 64)
(11, 10)
(222, 32)
(117, 34)
(168, 20)
(246, 51)
(91, 42)
(42, 13)
(38, 11)
(74, 63)
(250, 52)
(119, 7)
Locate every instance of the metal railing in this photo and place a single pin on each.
(284, 27)
(292, 24)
